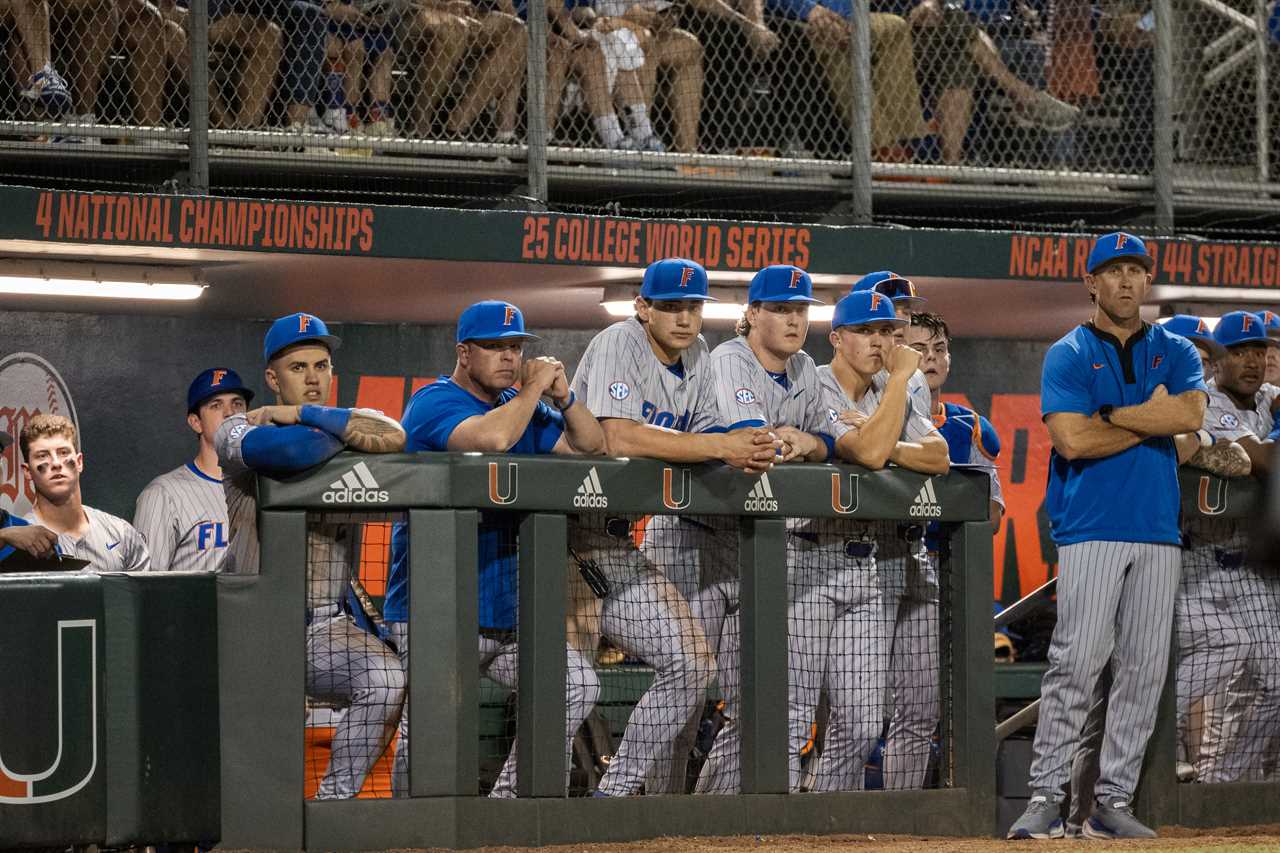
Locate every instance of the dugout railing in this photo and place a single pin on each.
(262, 656)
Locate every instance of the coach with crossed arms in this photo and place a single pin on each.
(1114, 393)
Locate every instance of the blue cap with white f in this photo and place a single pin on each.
(782, 283)
(1118, 244)
(1242, 327)
(296, 329)
(1196, 330)
(491, 320)
(673, 279)
(888, 283)
(863, 307)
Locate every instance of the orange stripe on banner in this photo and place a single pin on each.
(420, 382)
(333, 392)
(12, 787)
(375, 556)
(384, 393)
(1023, 488)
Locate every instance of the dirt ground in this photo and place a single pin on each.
(1244, 839)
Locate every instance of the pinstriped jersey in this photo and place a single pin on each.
(329, 545)
(746, 393)
(915, 425)
(1223, 420)
(183, 517)
(110, 544)
(620, 376)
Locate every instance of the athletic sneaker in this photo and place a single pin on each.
(71, 138)
(651, 143)
(48, 87)
(1064, 829)
(1115, 820)
(1038, 820)
(1050, 113)
(1186, 771)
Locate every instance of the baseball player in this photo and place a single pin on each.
(898, 288)
(1241, 409)
(970, 441)
(476, 408)
(1271, 322)
(17, 534)
(183, 514)
(54, 465)
(345, 665)
(869, 377)
(647, 380)
(1114, 392)
(764, 380)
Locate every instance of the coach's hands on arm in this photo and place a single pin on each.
(35, 539)
(497, 430)
(1163, 414)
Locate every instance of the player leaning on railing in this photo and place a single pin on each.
(344, 663)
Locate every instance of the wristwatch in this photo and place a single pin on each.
(1105, 412)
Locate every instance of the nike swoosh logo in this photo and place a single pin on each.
(1097, 367)
(113, 545)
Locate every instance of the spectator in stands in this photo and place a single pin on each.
(436, 37)
(91, 26)
(54, 465)
(605, 55)
(750, 19)
(303, 26)
(498, 45)
(672, 50)
(953, 54)
(144, 36)
(257, 45)
(896, 116)
(29, 20)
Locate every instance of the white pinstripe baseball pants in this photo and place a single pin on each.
(1115, 602)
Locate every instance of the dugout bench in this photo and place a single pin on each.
(261, 645)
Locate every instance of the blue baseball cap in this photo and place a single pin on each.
(888, 283)
(491, 320)
(1118, 244)
(781, 283)
(1242, 327)
(215, 381)
(675, 278)
(1196, 330)
(862, 307)
(1271, 322)
(294, 329)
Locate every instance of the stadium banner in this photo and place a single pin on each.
(257, 225)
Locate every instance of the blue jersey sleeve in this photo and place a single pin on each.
(546, 426)
(287, 449)
(1275, 429)
(432, 417)
(988, 439)
(1186, 373)
(796, 9)
(8, 519)
(1064, 387)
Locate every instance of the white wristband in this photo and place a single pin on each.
(1206, 439)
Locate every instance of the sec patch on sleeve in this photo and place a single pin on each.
(619, 390)
(745, 396)
(1229, 420)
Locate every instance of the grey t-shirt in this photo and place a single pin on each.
(111, 544)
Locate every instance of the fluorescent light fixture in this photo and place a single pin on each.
(620, 302)
(107, 281)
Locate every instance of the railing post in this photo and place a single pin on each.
(198, 99)
(762, 559)
(536, 99)
(1162, 142)
(1263, 92)
(973, 704)
(540, 726)
(443, 754)
(860, 128)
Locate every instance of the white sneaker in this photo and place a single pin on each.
(315, 126)
(71, 139)
(1050, 113)
(337, 120)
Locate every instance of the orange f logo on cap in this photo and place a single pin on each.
(218, 376)
(1203, 328)
(796, 275)
(304, 320)
(508, 315)
(875, 301)
(686, 274)
(1246, 322)
(1120, 241)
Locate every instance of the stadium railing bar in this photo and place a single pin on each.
(262, 657)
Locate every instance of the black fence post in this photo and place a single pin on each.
(763, 565)
(540, 755)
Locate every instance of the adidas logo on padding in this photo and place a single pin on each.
(356, 486)
(926, 502)
(760, 498)
(590, 494)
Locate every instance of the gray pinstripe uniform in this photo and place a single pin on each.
(1226, 618)
(345, 665)
(183, 516)
(746, 393)
(110, 545)
(907, 640)
(644, 614)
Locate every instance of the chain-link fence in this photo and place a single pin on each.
(686, 102)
